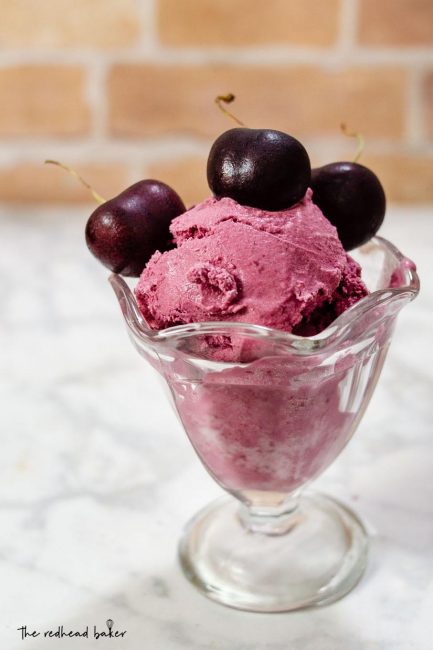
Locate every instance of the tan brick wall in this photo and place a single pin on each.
(400, 23)
(237, 23)
(123, 89)
(38, 100)
(61, 24)
(304, 100)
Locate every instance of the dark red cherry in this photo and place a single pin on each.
(352, 198)
(124, 232)
(261, 168)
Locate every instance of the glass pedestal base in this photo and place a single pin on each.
(319, 558)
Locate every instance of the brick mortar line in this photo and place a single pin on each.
(348, 16)
(91, 151)
(321, 58)
(415, 121)
(96, 95)
(149, 30)
(187, 144)
(136, 155)
(136, 171)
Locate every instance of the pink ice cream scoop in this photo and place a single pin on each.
(274, 422)
(286, 270)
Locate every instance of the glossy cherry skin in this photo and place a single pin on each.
(124, 232)
(352, 198)
(261, 168)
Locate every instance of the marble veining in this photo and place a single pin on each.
(97, 478)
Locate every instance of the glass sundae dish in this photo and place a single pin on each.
(265, 424)
(270, 344)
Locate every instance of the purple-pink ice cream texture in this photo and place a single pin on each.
(285, 270)
(276, 422)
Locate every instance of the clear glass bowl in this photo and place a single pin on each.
(267, 412)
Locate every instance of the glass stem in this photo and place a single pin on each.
(271, 519)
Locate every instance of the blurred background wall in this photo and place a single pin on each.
(124, 89)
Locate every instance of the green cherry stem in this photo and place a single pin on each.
(358, 136)
(98, 198)
(227, 99)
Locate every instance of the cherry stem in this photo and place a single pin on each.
(358, 136)
(98, 198)
(227, 99)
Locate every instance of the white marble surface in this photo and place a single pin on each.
(97, 478)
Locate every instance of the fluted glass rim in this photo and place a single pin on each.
(408, 289)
